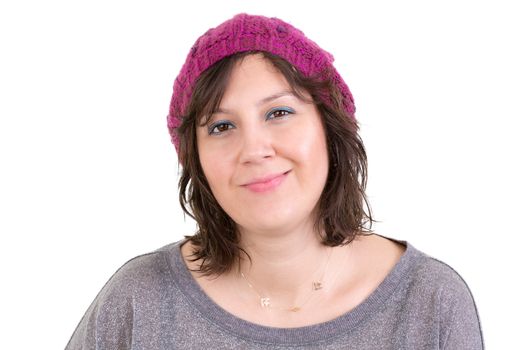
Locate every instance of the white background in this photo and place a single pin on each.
(88, 175)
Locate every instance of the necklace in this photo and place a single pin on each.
(265, 302)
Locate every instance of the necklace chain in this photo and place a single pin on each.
(266, 303)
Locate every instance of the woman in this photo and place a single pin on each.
(274, 174)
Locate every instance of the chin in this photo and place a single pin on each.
(272, 222)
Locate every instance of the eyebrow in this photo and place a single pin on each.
(263, 101)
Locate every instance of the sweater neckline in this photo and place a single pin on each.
(296, 336)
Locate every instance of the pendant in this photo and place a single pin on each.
(265, 302)
(295, 309)
(317, 285)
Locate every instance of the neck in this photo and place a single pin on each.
(283, 266)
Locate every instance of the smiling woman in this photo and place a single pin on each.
(274, 173)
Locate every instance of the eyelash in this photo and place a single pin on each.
(228, 123)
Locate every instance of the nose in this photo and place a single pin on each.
(256, 145)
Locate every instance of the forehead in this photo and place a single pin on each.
(254, 76)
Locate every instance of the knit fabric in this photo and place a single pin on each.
(153, 302)
(246, 33)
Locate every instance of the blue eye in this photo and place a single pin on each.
(279, 113)
(220, 127)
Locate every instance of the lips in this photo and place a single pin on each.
(266, 183)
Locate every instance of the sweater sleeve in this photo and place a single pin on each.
(460, 324)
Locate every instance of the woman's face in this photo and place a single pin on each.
(264, 151)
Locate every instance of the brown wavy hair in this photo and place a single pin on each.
(344, 211)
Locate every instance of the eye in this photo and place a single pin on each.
(279, 113)
(220, 127)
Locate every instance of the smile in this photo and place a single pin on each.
(266, 184)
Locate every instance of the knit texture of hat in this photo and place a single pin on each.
(246, 32)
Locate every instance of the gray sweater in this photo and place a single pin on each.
(153, 302)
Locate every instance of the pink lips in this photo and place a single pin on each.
(266, 183)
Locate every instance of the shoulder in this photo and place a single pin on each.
(428, 279)
(143, 271)
(432, 273)
(437, 285)
(425, 270)
(139, 284)
(148, 271)
(454, 293)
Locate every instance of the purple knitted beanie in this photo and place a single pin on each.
(246, 32)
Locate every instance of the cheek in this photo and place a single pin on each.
(207, 161)
(217, 169)
(213, 169)
(307, 145)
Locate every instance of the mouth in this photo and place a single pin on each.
(266, 183)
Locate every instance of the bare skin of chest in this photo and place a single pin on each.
(367, 261)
